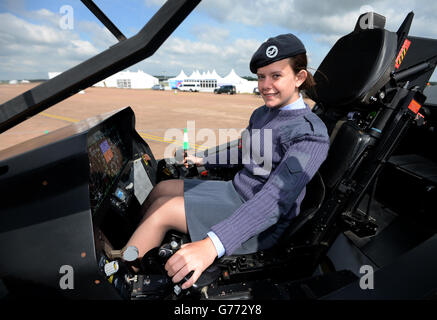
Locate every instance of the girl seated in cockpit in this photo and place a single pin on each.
(252, 211)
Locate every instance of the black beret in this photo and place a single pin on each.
(275, 49)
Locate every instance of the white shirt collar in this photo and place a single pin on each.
(298, 104)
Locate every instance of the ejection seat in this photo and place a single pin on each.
(354, 70)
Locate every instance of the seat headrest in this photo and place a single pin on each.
(369, 20)
(357, 66)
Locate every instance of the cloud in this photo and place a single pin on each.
(211, 34)
(222, 34)
(99, 35)
(18, 31)
(329, 18)
(179, 53)
(314, 16)
(30, 50)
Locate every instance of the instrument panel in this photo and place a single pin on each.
(108, 155)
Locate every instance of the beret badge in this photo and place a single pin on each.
(272, 51)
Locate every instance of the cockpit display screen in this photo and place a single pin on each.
(108, 155)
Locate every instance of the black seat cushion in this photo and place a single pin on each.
(349, 143)
(356, 67)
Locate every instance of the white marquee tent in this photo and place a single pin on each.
(53, 74)
(232, 78)
(181, 76)
(241, 85)
(211, 80)
(124, 79)
(128, 79)
(214, 75)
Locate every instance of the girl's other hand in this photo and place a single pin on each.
(192, 160)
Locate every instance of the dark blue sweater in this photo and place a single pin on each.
(272, 189)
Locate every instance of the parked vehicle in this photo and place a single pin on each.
(191, 87)
(226, 89)
(158, 87)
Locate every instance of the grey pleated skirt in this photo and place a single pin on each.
(208, 202)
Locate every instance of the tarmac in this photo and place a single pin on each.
(156, 113)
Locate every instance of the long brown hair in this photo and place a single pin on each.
(299, 63)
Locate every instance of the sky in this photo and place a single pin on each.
(41, 36)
